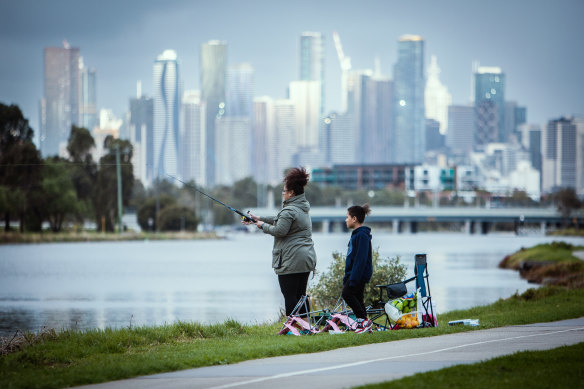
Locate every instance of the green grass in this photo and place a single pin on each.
(547, 252)
(556, 368)
(73, 358)
(96, 236)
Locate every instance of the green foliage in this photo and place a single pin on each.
(106, 192)
(560, 367)
(330, 283)
(59, 197)
(14, 128)
(147, 211)
(177, 218)
(567, 201)
(545, 252)
(75, 358)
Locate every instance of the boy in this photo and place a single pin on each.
(358, 265)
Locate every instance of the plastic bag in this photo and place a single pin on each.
(393, 313)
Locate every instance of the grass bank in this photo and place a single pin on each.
(551, 264)
(93, 236)
(560, 367)
(72, 358)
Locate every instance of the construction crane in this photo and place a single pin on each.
(345, 63)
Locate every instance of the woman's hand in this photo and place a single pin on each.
(249, 221)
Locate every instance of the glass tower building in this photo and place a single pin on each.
(61, 102)
(409, 140)
(312, 61)
(489, 106)
(213, 74)
(166, 115)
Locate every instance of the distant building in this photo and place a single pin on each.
(233, 141)
(409, 113)
(285, 134)
(434, 139)
(142, 137)
(560, 155)
(193, 147)
(240, 90)
(489, 106)
(264, 141)
(530, 137)
(436, 97)
(213, 74)
(354, 177)
(527, 179)
(166, 115)
(340, 138)
(312, 61)
(306, 98)
(60, 106)
(459, 137)
(88, 97)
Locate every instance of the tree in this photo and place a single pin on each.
(21, 169)
(147, 211)
(14, 128)
(59, 196)
(330, 283)
(83, 169)
(177, 218)
(105, 194)
(567, 201)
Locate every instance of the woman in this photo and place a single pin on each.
(293, 255)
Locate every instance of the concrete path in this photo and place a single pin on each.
(379, 362)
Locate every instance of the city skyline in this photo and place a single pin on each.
(533, 46)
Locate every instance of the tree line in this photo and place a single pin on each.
(60, 191)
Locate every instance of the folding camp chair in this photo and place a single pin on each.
(302, 319)
(377, 312)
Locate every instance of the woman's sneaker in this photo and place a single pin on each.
(364, 326)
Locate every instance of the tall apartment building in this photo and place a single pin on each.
(166, 115)
(560, 154)
(459, 138)
(88, 97)
(213, 75)
(60, 105)
(312, 61)
(409, 126)
(436, 97)
(489, 106)
(142, 137)
(264, 148)
(193, 150)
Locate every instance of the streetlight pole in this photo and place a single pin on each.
(119, 176)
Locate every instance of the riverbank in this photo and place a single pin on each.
(69, 358)
(549, 264)
(93, 236)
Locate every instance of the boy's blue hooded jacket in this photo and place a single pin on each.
(359, 265)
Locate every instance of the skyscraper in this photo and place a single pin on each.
(409, 113)
(166, 115)
(560, 155)
(264, 141)
(88, 103)
(193, 151)
(306, 97)
(312, 61)
(213, 74)
(240, 90)
(436, 97)
(142, 137)
(376, 125)
(489, 106)
(60, 106)
(459, 137)
(285, 130)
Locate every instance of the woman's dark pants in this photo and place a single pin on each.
(293, 287)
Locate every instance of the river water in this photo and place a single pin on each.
(118, 284)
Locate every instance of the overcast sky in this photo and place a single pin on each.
(538, 44)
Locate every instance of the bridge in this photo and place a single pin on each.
(410, 219)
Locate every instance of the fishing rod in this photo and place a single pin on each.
(245, 217)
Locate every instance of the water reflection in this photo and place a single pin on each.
(118, 284)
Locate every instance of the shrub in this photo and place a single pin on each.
(176, 217)
(330, 284)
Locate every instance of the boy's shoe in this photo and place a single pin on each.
(364, 326)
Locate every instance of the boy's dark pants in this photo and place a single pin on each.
(353, 295)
